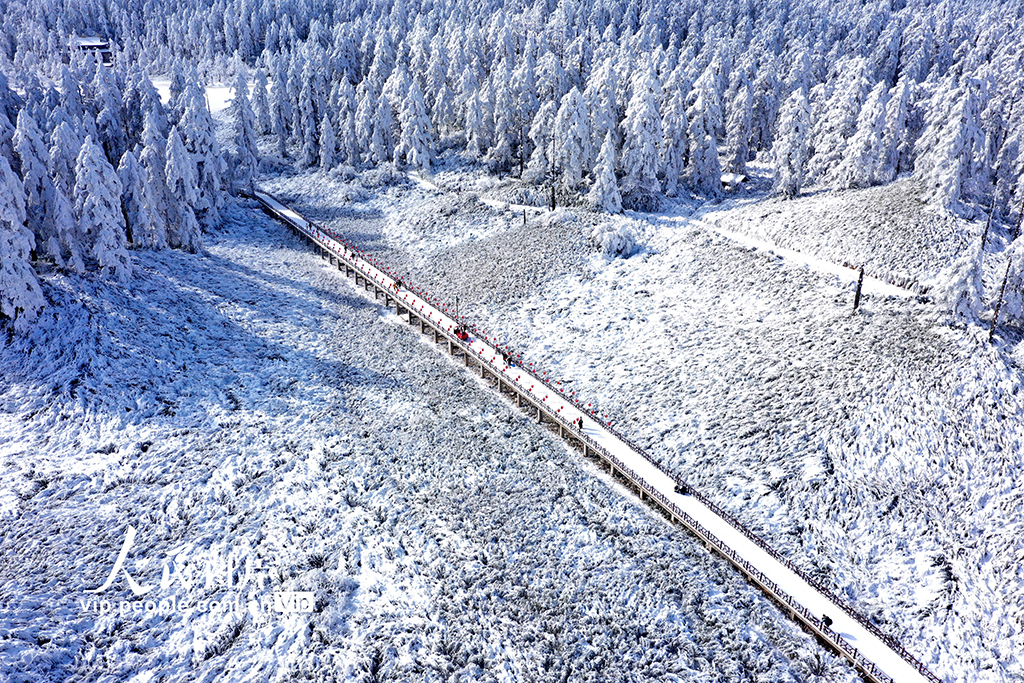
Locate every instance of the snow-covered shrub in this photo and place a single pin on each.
(343, 172)
(640, 199)
(382, 176)
(615, 239)
(461, 202)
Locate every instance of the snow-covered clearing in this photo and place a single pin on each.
(252, 401)
(635, 465)
(881, 451)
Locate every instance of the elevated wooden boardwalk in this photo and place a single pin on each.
(878, 657)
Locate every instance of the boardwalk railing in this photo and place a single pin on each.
(348, 256)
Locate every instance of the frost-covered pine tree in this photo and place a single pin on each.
(704, 168)
(382, 138)
(675, 147)
(154, 161)
(599, 98)
(64, 228)
(738, 129)
(347, 145)
(110, 123)
(33, 157)
(143, 223)
(415, 145)
(960, 288)
(604, 194)
(6, 137)
(837, 122)
(98, 207)
(261, 103)
(243, 122)
(540, 134)
(865, 154)
(790, 149)
(21, 298)
(307, 122)
(506, 132)
(196, 129)
(280, 110)
(896, 144)
(443, 113)
(476, 123)
(641, 160)
(328, 144)
(183, 231)
(948, 149)
(571, 138)
(64, 146)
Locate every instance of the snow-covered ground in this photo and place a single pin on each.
(253, 405)
(880, 451)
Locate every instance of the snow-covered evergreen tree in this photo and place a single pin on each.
(790, 149)
(599, 100)
(675, 146)
(307, 122)
(261, 103)
(949, 148)
(328, 144)
(183, 231)
(539, 167)
(98, 208)
(139, 214)
(476, 123)
(865, 154)
(705, 170)
(243, 122)
(571, 138)
(415, 146)
(32, 157)
(382, 138)
(63, 229)
(6, 140)
(641, 160)
(896, 144)
(738, 129)
(280, 111)
(604, 194)
(196, 129)
(110, 122)
(347, 144)
(21, 298)
(837, 122)
(154, 160)
(960, 287)
(64, 146)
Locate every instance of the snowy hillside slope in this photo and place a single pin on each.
(253, 402)
(881, 452)
(887, 229)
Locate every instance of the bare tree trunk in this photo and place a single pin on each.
(999, 303)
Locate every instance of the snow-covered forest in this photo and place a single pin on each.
(615, 104)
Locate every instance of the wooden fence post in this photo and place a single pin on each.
(860, 283)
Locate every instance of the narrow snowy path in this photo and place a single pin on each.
(873, 656)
